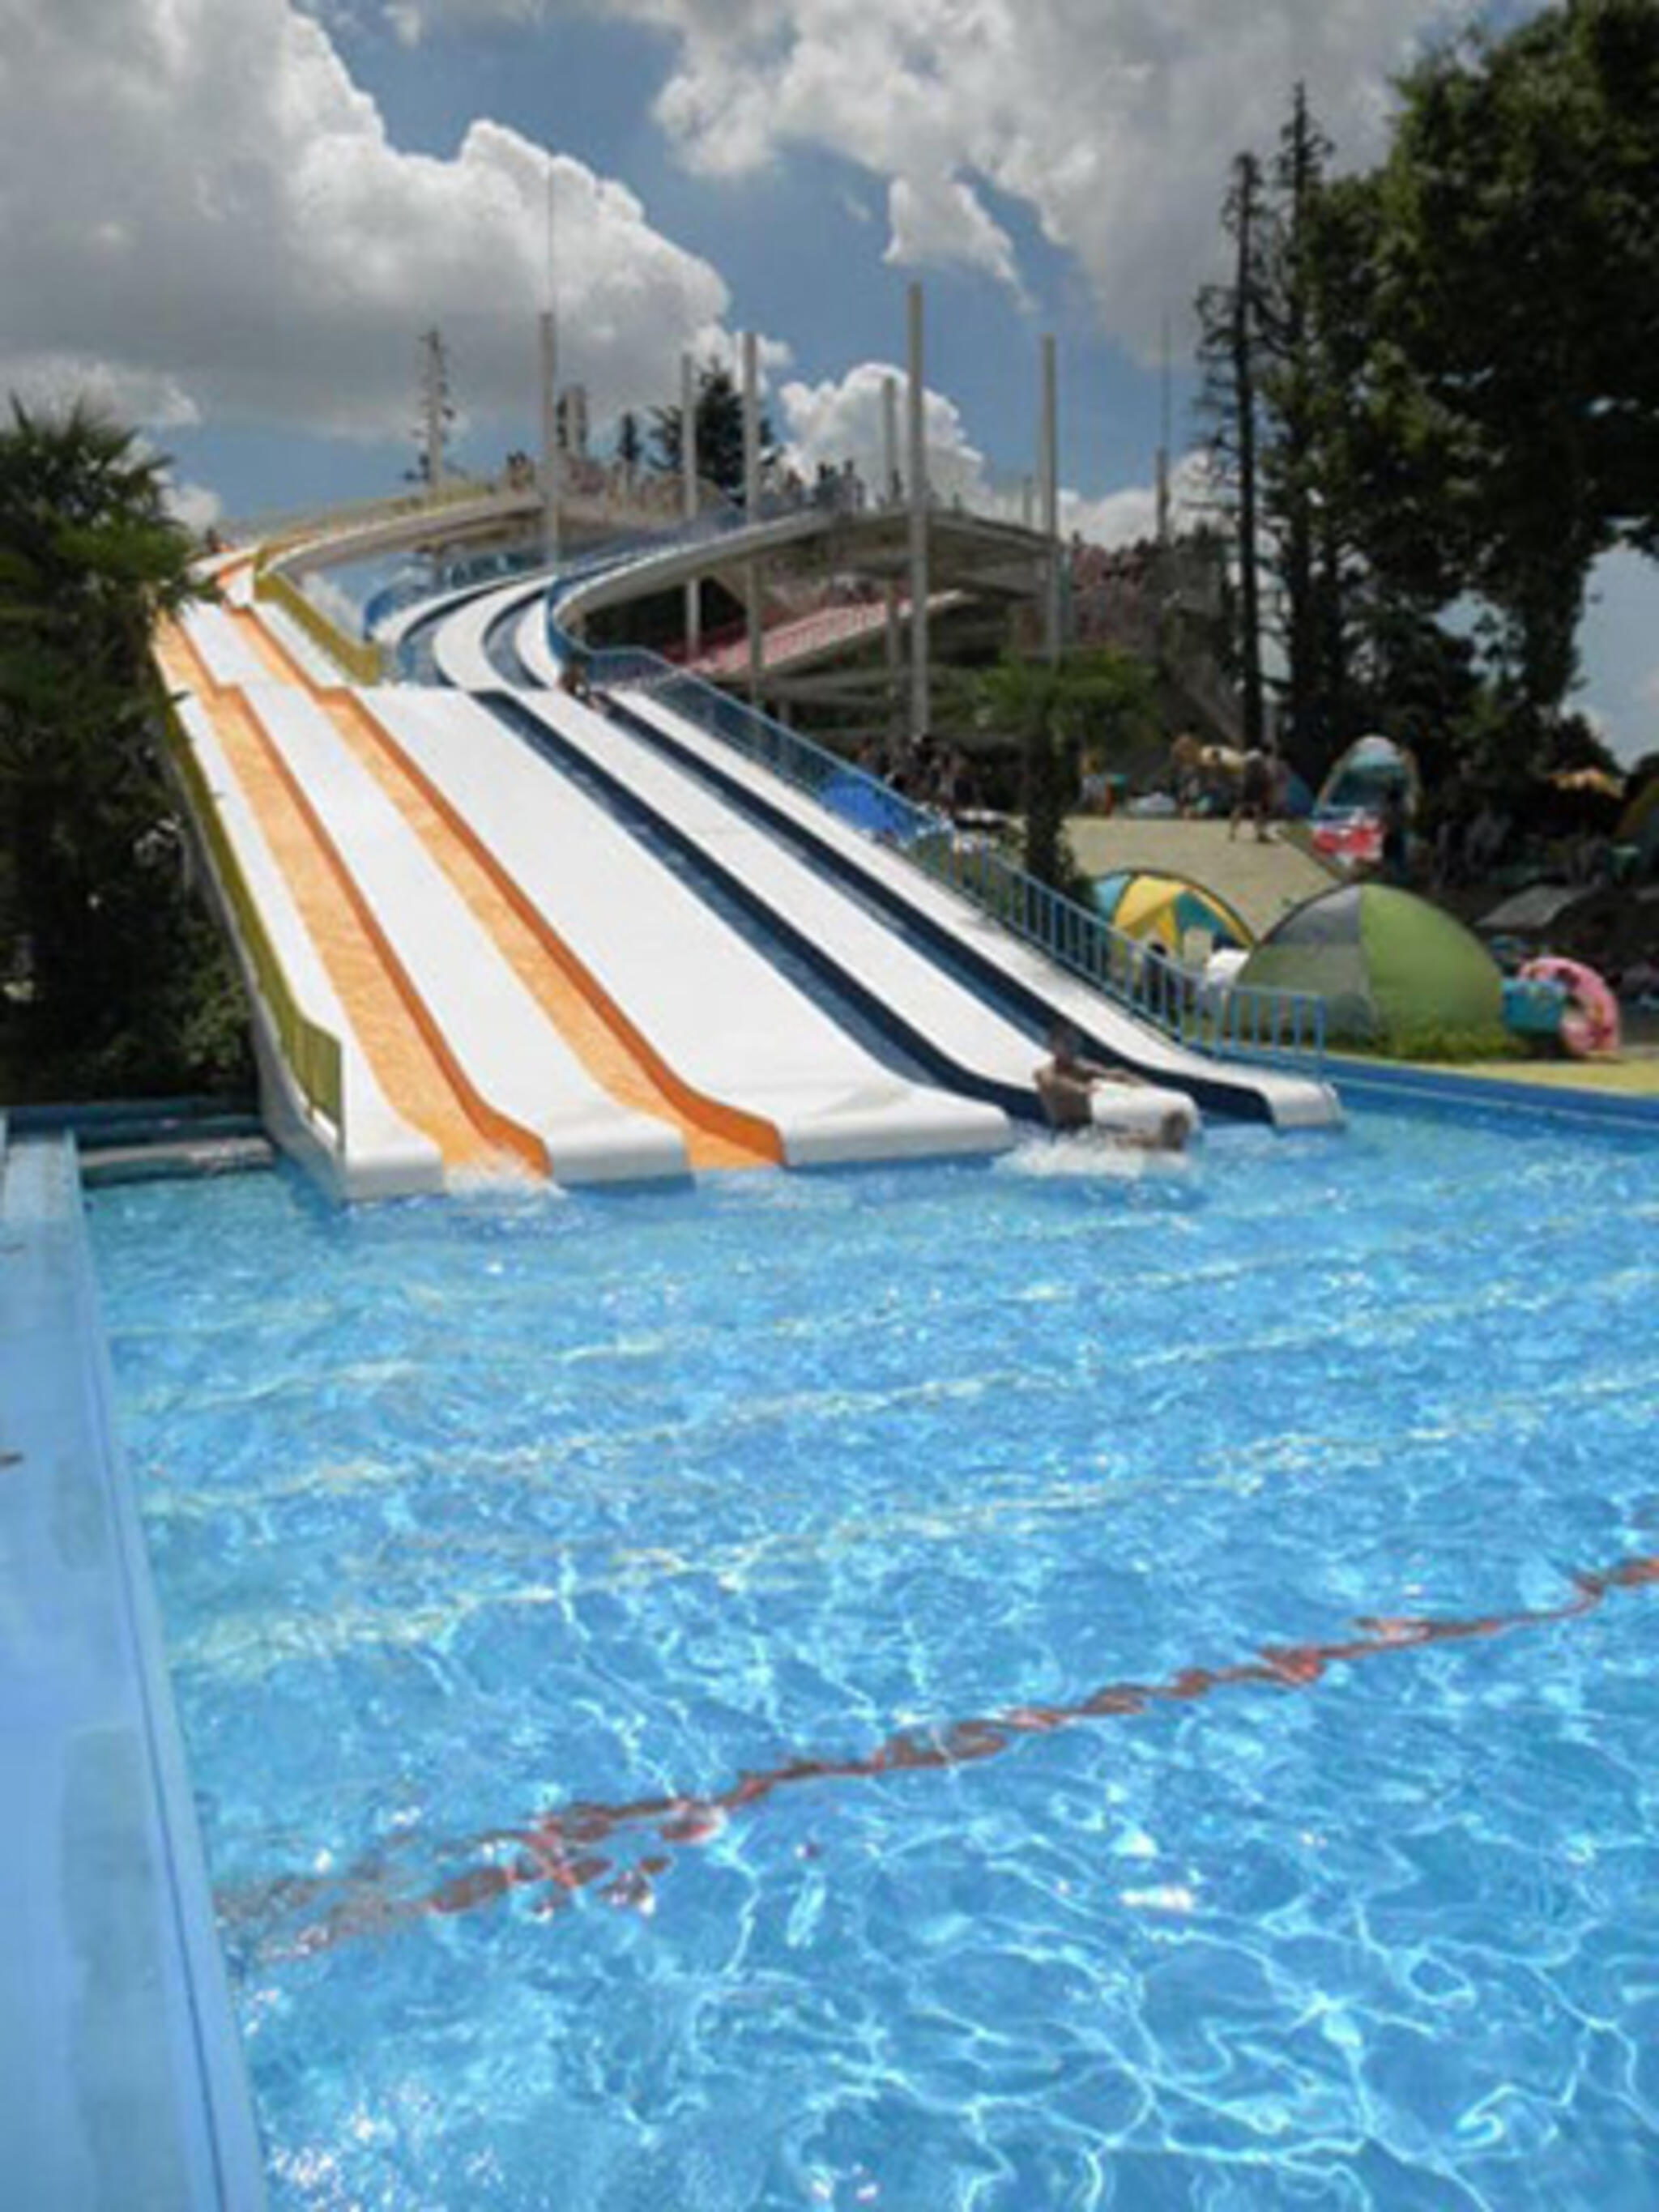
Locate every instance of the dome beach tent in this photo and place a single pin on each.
(1363, 775)
(1167, 907)
(1391, 969)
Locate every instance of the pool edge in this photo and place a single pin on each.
(159, 2071)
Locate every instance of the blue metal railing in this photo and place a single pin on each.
(1242, 1020)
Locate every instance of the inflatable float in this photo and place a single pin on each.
(1591, 1024)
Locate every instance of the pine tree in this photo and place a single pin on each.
(1229, 349)
(719, 432)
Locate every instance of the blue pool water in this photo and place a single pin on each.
(956, 1687)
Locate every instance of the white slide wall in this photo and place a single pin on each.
(378, 1154)
(458, 647)
(719, 1013)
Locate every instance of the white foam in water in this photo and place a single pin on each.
(502, 1178)
(1092, 1152)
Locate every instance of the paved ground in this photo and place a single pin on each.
(1262, 881)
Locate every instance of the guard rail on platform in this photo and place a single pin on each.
(312, 1052)
(1240, 1020)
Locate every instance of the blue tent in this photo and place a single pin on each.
(870, 805)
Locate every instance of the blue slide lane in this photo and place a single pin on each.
(122, 2081)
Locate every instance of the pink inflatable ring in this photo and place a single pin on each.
(1591, 1024)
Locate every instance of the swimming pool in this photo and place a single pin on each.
(931, 1688)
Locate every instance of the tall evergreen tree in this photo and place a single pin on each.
(1230, 348)
(719, 432)
(1519, 300)
(1295, 497)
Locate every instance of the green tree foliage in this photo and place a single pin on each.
(719, 432)
(1520, 283)
(1455, 381)
(1103, 702)
(89, 558)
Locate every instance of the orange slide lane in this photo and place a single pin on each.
(612, 1049)
(408, 1065)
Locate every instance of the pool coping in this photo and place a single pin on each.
(121, 2074)
(1403, 1085)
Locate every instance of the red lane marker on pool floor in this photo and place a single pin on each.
(557, 1853)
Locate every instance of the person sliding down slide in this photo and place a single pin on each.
(1083, 1094)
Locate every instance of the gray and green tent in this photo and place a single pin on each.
(1393, 969)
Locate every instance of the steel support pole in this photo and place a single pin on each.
(918, 488)
(688, 489)
(1048, 444)
(552, 461)
(892, 492)
(751, 502)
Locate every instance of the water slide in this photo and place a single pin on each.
(418, 980)
(974, 940)
(952, 1029)
(580, 1009)
(1011, 971)
(726, 1033)
(521, 1078)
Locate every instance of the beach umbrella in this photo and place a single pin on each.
(1166, 908)
(1590, 779)
(1390, 966)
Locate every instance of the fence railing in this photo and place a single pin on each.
(312, 1052)
(278, 531)
(1242, 1020)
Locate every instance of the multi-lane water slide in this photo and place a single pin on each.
(465, 959)
(503, 634)
(510, 979)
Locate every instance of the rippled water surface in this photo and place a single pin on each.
(996, 1687)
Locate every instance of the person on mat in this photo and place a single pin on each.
(1066, 1083)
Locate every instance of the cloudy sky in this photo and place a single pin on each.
(232, 219)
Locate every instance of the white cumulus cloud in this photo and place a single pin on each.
(198, 203)
(840, 419)
(1113, 121)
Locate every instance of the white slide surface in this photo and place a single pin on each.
(1291, 1101)
(980, 1045)
(376, 1154)
(458, 644)
(501, 1038)
(224, 652)
(718, 1012)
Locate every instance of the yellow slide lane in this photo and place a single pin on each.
(595, 1029)
(409, 1064)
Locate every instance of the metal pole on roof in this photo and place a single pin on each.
(688, 489)
(1048, 445)
(552, 461)
(890, 492)
(918, 488)
(751, 502)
